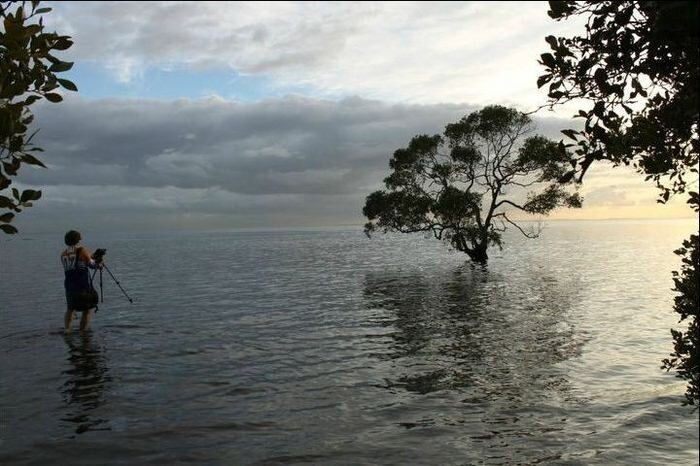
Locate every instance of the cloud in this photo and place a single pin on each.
(610, 196)
(284, 146)
(287, 161)
(480, 52)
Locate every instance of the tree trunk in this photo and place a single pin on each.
(478, 254)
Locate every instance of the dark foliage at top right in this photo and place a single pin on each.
(637, 67)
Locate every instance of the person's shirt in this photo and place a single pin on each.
(76, 263)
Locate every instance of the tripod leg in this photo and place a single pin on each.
(118, 284)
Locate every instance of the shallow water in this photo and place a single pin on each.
(324, 347)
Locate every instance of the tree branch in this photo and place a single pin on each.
(506, 201)
(530, 235)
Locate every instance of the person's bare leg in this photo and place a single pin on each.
(85, 320)
(68, 319)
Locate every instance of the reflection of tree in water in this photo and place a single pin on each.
(84, 389)
(475, 332)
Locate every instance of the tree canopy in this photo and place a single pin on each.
(636, 67)
(685, 358)
(456, 186)
(636, 71)
(28, 73)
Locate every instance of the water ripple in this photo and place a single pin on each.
(326, 348)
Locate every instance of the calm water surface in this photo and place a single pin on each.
(324, 347)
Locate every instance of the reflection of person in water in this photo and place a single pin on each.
(83, 391)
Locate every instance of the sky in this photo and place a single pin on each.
(239, 115)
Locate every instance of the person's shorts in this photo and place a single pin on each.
(72, 302)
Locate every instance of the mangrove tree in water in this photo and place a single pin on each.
(467, 185)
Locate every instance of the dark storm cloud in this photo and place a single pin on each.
(287, 146)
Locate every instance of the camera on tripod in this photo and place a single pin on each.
(98, 255)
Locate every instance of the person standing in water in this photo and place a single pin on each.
(80, 294)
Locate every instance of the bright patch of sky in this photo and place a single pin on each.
(96, 81)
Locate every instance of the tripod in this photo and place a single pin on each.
(102, 299)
